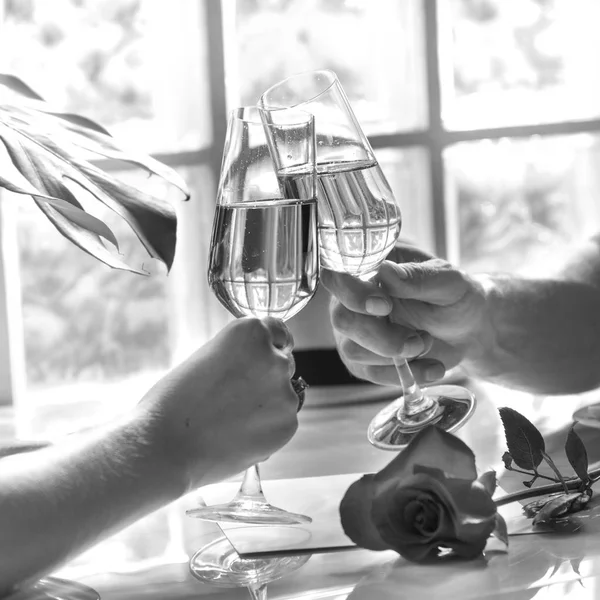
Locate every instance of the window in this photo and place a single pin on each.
(484, 115)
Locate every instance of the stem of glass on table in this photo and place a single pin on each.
(258, 592)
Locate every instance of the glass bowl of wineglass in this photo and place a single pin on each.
(264, 252)
(359, 224)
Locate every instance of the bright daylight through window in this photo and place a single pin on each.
(485, 172)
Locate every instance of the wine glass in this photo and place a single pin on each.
(264, 251)
(218, 563)
(359, 223)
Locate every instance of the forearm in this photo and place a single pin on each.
(57, 502)
(541, 335)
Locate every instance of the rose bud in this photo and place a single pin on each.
(427, 499)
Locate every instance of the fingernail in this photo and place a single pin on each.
(378, 306)
(434, 373)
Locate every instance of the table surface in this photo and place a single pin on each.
(150, 559)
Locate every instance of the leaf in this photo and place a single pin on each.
(557, 507)
(17, 85)
(58, 196)
(49, 147)
(507, 460)
(86, 240)
(80, 133)
(80, 121)
(577, 454)
(79, 217)
(44, 164)
(533, 508)
(525, 443)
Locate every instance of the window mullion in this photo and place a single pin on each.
(436, 129)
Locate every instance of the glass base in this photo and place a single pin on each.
(391, 430)
(219, 564)
(248, 511)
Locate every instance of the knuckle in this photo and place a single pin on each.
(393, 345)
(349, 349)
(253, 326)
(342, 319)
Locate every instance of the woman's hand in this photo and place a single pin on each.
(228, 406)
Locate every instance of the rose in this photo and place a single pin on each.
(427, 499)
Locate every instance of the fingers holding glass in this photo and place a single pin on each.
(281, 336)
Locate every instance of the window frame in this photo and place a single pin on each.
(435, 139)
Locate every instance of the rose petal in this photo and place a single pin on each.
(474, 517)
(471, 549)
(470, 499)
(431, 447)
(393, 516)
(489, 481)
(355, 515)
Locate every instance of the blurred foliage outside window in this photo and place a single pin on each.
(513, 203)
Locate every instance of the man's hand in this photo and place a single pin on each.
(230, 405)
(427, 311)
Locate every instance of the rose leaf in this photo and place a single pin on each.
(557, 507)
(525, 443)
(577, 454)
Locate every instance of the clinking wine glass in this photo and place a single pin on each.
(264, 251)
(359, 224)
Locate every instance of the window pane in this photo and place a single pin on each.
(407, 170)
(519, 203)
(138, 67)
(95, 338)
(376, 48)
(509, 63)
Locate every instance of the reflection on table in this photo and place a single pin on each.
(150, 559)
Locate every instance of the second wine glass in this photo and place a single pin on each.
(264, 251)
(359, 223)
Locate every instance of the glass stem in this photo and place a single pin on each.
(251, 486)
(415, 401)
(258, 592)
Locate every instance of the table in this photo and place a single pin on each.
(149, 560)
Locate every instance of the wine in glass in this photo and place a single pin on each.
(359, 223)
(218, 563)
(264, 251)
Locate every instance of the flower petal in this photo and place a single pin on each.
(470, 499)
(394, 517)
(489, 481)
(435, 448)
(355, 515)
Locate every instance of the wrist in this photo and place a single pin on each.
(481, 348)
(139, 435)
